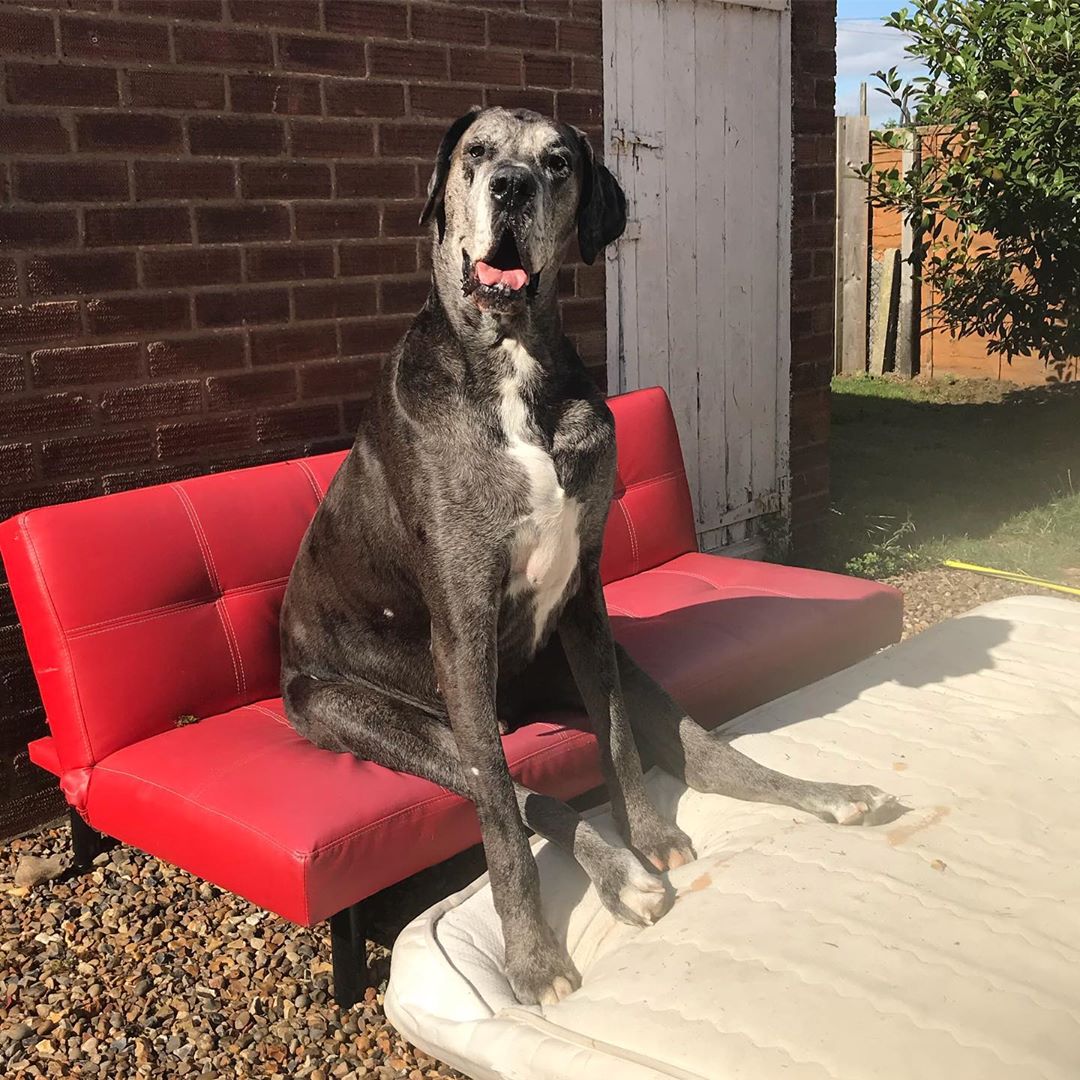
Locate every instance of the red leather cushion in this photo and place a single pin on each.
(724, 635)
(242, 800)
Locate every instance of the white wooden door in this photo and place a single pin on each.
(697, 97)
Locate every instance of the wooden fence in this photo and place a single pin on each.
(884, 322)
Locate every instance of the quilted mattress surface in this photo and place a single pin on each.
(943, 944)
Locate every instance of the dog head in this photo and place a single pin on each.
(509, 191)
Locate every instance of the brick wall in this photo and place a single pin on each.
(813, 66)
(208, 234)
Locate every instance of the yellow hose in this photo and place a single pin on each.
(1009, 575)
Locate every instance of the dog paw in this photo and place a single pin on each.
(543, 975)
(859, 805)
(631, 893)
(663, 845)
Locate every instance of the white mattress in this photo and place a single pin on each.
(945, 944)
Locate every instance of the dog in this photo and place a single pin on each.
(449, 582)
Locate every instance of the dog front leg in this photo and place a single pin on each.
(465, 652)
(586, 637)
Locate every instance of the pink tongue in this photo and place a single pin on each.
(492, 275)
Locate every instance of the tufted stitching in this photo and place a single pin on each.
(226, 621)
(305, 468)
(215, 583)
(757, 590)
(633, 535)
(149, 614)
(73, 683)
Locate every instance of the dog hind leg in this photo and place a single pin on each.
(707, 761)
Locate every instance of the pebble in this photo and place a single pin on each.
(136, 968)
(35, 870)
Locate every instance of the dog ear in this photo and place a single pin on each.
(601, 207)
(437, 183)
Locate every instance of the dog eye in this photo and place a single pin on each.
(476, 151)
(558, 163)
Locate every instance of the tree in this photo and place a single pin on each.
(995, 193)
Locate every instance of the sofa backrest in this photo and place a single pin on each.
(146, 606)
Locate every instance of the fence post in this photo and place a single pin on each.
(852, 231)
(909, 319)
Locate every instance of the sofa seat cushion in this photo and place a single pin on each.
(726, 635)
(242, 800)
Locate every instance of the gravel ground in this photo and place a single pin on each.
(138, 969)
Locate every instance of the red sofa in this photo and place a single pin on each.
(149, 607)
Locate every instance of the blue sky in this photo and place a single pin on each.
(864, 45)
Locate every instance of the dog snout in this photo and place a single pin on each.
(512, 187)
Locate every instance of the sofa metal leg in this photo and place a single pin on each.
(86, 843)
(348, 947)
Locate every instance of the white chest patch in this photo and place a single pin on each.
(545, 545)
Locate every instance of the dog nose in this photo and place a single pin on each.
(512, 186)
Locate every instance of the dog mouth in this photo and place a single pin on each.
(500, 278)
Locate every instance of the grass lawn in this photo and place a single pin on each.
(954, 469)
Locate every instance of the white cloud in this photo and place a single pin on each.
(866, 45)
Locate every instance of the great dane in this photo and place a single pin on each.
(450, 580)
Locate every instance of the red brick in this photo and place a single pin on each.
(90, 272)
(581, 110)
(274, 94)
(575, 37)
(128, 225)
(498, 68)
(34, 84)
(403, 296)
(70, 181)
(108, 39)
(552, 8)
(363, 18)
(217, 352)
(30, 323)
(50, 412)
(369, 336)
(291, 262)
(338, 378)
(377, 180)
(49, 495)
(184, 180)
(443, 102)
(410, 140)
(198, 438)
(447, 23)
(12, 374)
(204, 10)
(337, 219)
(16, 467)
(242, 308)
(128, 314)
(403, 219)
(300, 422)
(191, 266)
(152, 401)
(236, 136)
(36, 228)
(241, 222)
(95, 453)
(590, 280)
(286, 179)
(322, 54)
(523, 31)
(588, 73)
(26, 134)
(292, 344)
(356, 97)
(84, 364)
(252, 388)
(408, 61)
(554, 71)
(332, 139)
(176, 89)
(541, 101)
(26, 34)
(583, 314)
(9, 278)
(336, 301)
(143, 132)
(300, 14)
(587, 9)
(206, 45)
